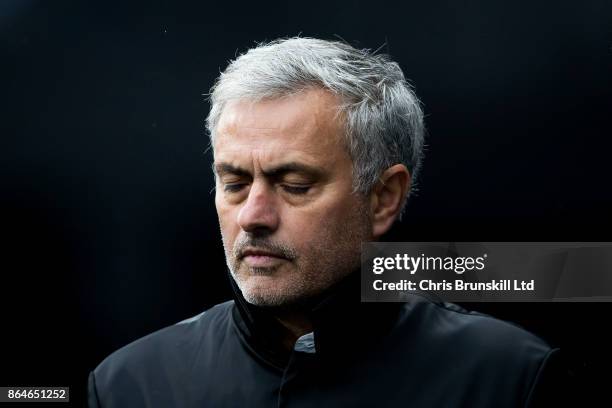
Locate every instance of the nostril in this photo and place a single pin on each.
(260, 232)
(260, 226)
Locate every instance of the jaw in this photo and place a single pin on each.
(266, 286)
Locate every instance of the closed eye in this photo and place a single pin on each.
(234, 187)
(295, 189)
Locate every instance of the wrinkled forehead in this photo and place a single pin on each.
(307, 123)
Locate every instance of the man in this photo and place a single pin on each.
(316, 148)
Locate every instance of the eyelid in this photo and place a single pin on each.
(233, 187)
(296, 188)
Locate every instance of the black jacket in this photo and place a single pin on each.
(415, 354)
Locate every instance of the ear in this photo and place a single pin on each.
(387, 198)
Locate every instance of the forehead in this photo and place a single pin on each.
(306, 124)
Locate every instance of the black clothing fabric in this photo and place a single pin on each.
(420, 353)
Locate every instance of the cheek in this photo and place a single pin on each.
(227, 222)
(310, 227)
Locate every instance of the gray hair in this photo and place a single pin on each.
(384, 120)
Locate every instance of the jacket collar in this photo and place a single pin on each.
(342, 323)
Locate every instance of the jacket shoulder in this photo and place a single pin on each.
(495, 359)
(478, 342)
(161, 357)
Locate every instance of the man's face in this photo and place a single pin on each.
(290, 224)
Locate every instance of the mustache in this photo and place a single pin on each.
(263, 244)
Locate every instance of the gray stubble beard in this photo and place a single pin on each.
(319, 268)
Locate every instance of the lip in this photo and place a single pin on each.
(260, 258)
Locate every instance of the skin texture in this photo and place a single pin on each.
(290, 223)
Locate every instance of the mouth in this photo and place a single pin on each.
(261, 258)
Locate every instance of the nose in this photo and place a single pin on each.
(259, 213)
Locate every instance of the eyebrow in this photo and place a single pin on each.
(280, 170)
(225, 168)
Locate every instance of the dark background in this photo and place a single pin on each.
(107, 218)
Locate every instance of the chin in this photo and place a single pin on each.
(269, 292)
(267, 299)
